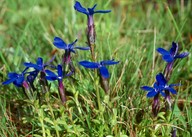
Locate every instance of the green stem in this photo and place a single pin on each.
(41, 117)
(53, 116)
(98, 96)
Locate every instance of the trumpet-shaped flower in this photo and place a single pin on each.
(88, 11)
(172, 54)
(16, 79)
(101, 66)
(39, 66)
(159, 86)
(52, 76)
(59, 43)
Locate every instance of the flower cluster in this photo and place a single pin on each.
(161, 84)
(91, 38)
(36, 76)
(44, 72)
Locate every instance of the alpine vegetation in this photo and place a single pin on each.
(86, 69)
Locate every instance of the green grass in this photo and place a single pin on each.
(130, 33)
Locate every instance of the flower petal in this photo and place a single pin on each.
(182, 55)
(59, 71)
(174, 49)
(19, 81)
(17, 84)
(161, 80)
(172, 90)
(39, 61)
(35, 66)
(104, 72)
(12, 75)
(71, 44)
(79, 8)
(109, 62)
(163, 51)
(9, 81)
(59, 43)
(102, 11)
(168, 58)
(162, 93)
(173, 85)
(147, 88)
(50, 73)
(151, 94)
(50, 78)
(91, 10)
(82, 48)
(88, 64)
(72, 50)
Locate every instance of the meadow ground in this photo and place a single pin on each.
(130, 33)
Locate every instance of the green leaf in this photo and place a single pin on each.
(48, 120)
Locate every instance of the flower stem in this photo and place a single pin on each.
(41, 117)
(52, 115)
(98, 96)
(62, 91)
(91, 35)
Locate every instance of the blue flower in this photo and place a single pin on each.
(91, 34)
(172, 54)
(159, 86)
(38, 66)
(52, 76)
(32, 75)
(15, 78)
(59, 77)
(59, 43)
(101, 66)
(88, 11)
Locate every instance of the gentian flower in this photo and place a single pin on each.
(59, 77)
(159, 86)
(39, 67)
(101, 66)
(103, 72)
(16, 79)
(152, 91)
(170, 56)
(88, 11)
(59, 43)
(91, 34)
